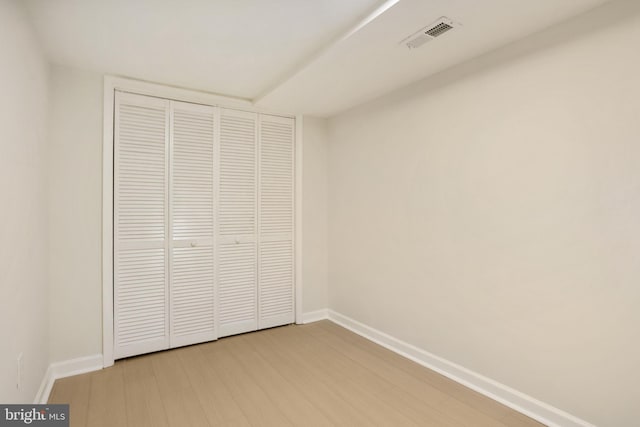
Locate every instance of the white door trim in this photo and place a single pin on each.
(111, 84)
(297, 221)
(107, 222)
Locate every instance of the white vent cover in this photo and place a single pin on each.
(430, 32)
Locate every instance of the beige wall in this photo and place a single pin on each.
(314, 214)
(491, 215)
(75, 204)
(23, 215)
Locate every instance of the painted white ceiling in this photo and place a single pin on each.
(232, 47)
(372, 62)
(301, 56)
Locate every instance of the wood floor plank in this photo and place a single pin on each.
(107, 403)
(457, 410)
(215, 398)
(314, 375)
(314, 387)
(516, 419)
(438, 381)
(347, 384)
(381, 393)
(181, 404)
(74, 391)
(144, 404)
(285, 395)
(53, 398)
(257, 406)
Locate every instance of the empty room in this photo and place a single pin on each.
(320, 213)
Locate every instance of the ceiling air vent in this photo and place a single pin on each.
(429, 33)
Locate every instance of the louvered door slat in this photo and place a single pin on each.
(276, 257)
(192, 301)
(140, 232)
(236, 260)
(203, 223)
(192, 224)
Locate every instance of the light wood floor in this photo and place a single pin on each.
(313, 375)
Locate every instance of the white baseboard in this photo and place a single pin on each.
(45, 387)
(64, 369)
(540, 411)
(315, 316)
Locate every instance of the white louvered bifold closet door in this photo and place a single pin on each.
(276, 213)
(192, 307)
(203, 223)
(236, 255)
(141, 137)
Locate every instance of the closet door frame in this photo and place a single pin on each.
(113, 84)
